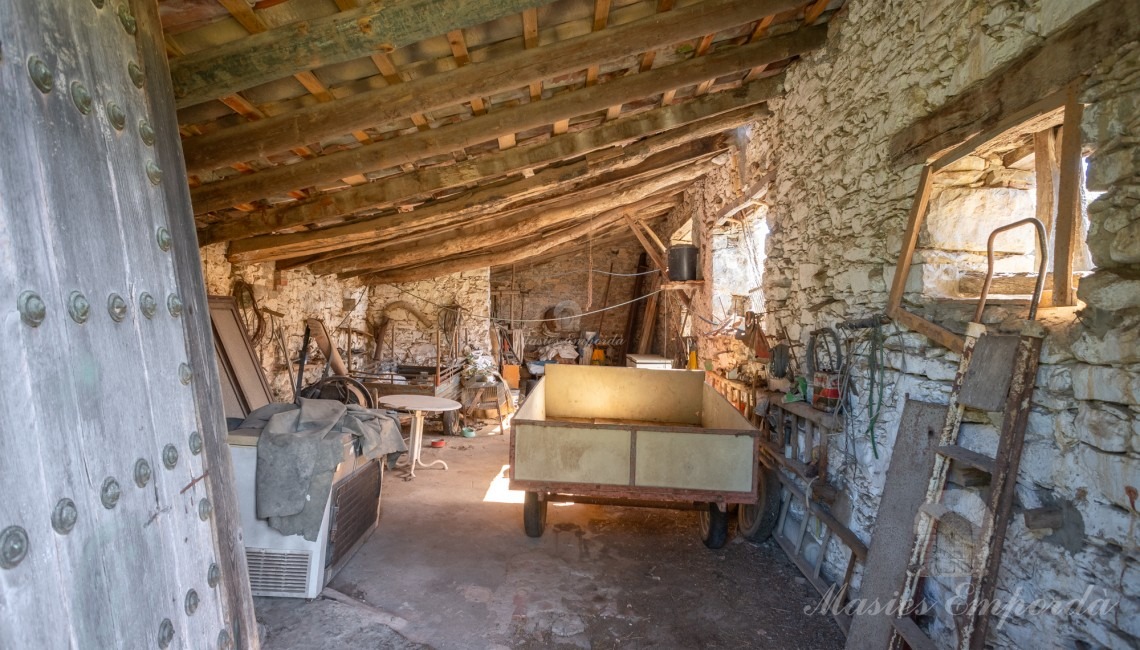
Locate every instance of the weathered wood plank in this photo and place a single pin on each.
(1043, 70)
(516, 253)
(494, 199)
(910, 239)
(1069, 208)
(1048, 172)
(492, 125)
(90, 396)
(653, 253)
(688, 121)
(214, 465)
(469, 236)
(344, 36)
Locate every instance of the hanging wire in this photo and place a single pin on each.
(529, 320)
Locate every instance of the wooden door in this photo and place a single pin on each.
(118, 524)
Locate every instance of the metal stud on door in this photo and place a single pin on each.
(108, 356)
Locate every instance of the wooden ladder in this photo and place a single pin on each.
(997, 373)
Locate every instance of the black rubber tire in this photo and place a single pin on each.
(757, 521)
(534, 515)
(713, 526)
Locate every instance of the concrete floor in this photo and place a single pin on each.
(451, 560)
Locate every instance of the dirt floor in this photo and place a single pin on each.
(451, 563)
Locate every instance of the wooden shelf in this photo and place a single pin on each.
(807, 411)
(680, 286)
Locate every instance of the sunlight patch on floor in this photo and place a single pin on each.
(499, 490)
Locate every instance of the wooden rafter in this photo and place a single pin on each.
(493, 200)
(479, 129)
(465, 237)
(384, 105)
(344, 36)
(815, 10)
(530, 41)
(387, 69)
(688, 121)
(516, 252)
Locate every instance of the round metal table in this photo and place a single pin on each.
(418, 406)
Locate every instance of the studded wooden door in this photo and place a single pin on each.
(118, 524)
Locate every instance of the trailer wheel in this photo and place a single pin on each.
(713, 525)
(534, 514)
(757, 521)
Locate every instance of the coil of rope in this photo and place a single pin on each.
(251, 317)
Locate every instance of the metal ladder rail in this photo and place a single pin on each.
(972, 633)
(927, 525)
(999, 509)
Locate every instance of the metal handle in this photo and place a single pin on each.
(1044, 264)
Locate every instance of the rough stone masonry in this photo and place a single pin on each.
(837, 212)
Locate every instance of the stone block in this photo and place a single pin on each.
(1104, 426)
(1125, 247)
(963, 218)
(1106, 384)
(1110, 475)
(1108, 291)
(1120, 345)
(1105, 169)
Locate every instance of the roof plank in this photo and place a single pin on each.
(492, 125)
(344, 36)
(390, 104)
(458, 209)
(514, 252)
(688, 121)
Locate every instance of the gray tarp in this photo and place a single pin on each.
(298, 452)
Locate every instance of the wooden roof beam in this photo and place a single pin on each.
(394, 103)
(687, 121)
(432, 217)
(517, 253)
(1021, 84)
(471, 236)
(387, 69)
(307, 45)
(485, 127)
(605, 189)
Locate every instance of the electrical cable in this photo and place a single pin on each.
(242, 293)
(530, 320)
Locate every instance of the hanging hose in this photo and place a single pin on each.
(876, 360)
(247, 304)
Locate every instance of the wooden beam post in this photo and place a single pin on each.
(1048, 173)
(910, 239)
(1069, 208)
(652, 251)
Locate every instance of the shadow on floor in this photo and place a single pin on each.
(450, 557)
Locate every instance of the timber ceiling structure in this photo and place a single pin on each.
(406, 139)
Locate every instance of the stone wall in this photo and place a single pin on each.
(565, 277)
(416, 344)
(299, 295)
(728, 254)
(837, 213)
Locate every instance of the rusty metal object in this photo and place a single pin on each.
(1042, 265)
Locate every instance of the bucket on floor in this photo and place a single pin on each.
(682, 263)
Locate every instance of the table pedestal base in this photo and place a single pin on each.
(417, 443)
